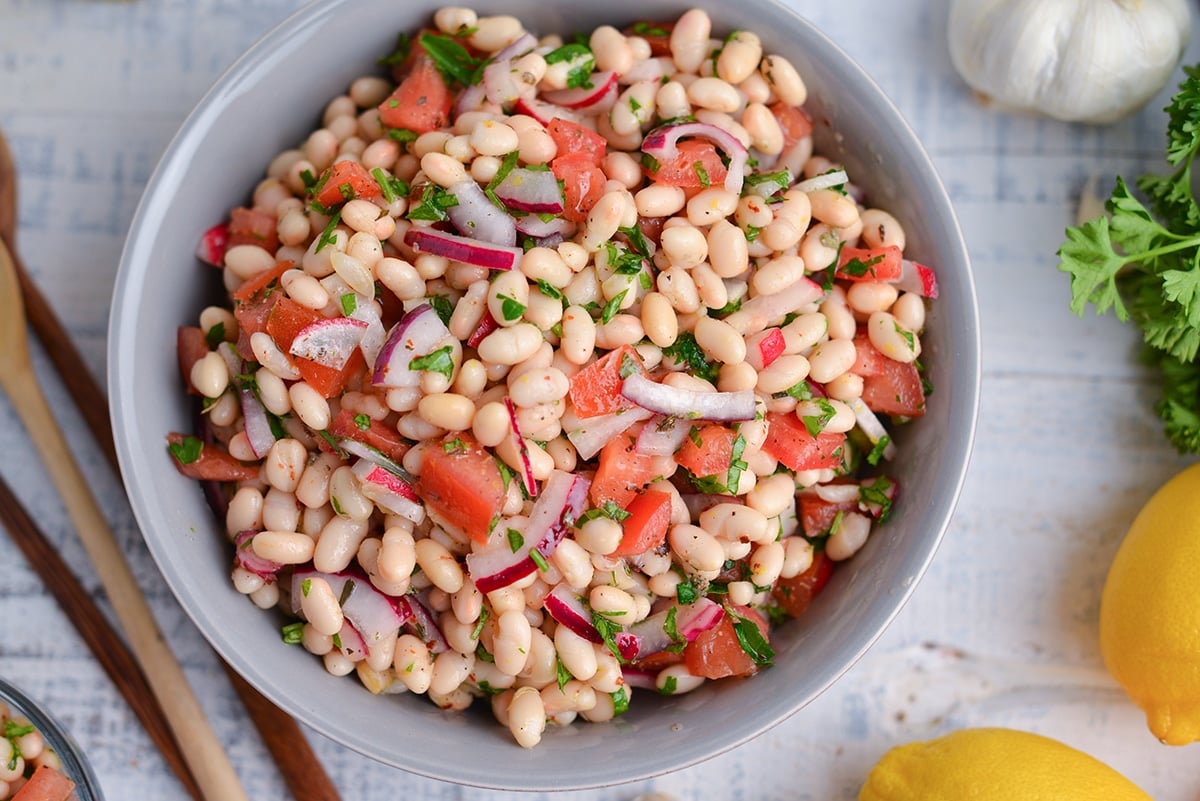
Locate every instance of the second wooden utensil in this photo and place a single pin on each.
(206, 757)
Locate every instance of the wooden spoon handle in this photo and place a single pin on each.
(206, 757)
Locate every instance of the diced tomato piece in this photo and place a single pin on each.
(794, 123)
(46, 784)
(379, 436)
(346, 180)
(771, 346)
(253, 227)
(422, 101)
(795, 594)
(717, 653)
(213, 464)
(596, 389)
(583, 184)
(707, 451)
(252, 318)
(462, 485)
(789, 442)
(646, 526)
(572, 138)
(696, 166)
(191, 347)
(817, 515)
(622, 472)
(657, 35)
(870, 264)
(895, 390)
(257, 285)
(285, 322)
(868, 360)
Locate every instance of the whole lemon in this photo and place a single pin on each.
(1150, 611)
(994, 765)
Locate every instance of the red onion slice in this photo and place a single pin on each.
(471, 99)
(534, 191)
(532, 225)
(661, 144)
(372, 616)
(824, 181)
(388, 491)
(464, 249)
(526, 466)
(568, 610)
(604, 87)
(916, 277)
(258, 427)
(418, 333)
(423, 623)
(329, 342)
(691, 621)
(686, 403)
(353, 646)
(478, 218)
(376, 457)
(662, 436)
(247, 559)
(595, 432)
(497, 564)
(487, 324)
(759, 312)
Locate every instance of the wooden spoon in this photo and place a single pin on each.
(206, 757)
(294, 756)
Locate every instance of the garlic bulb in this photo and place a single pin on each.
(1076, 60)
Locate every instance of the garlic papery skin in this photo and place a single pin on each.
(1090, 61)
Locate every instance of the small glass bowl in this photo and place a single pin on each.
(74, 765)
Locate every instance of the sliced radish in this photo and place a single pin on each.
(478, 218)
(461, 248)
(686, 403)
(568, 610)
(498, 564)
(526, 466)
(690, 622)
(763, 348)
(866, 420)
(211, 247)
(824, 181)
(390, 492)
(592, 434)
(487, 324)
(662, 436)
(603, 89)
(760, 312)
(351, 643)
(257, 425)
(533, 191)
(419, 333)
(364, 308)
(545, 112)
(247, 559)
(916, 277)
(535, 226)
(661, 144)
(330, 341)
(376, 457)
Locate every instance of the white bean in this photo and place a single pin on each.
(892, 339)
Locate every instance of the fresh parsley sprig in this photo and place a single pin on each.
(1144, 264)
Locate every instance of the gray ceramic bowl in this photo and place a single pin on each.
(74, 764)
(269, 101)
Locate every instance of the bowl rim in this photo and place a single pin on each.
(964, 418)
(75, 763)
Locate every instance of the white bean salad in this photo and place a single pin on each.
(553, 368)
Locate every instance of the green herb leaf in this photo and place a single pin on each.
(620, 700)
(701, 173)
(670, 686)
(608, 631)
(452, 60)
(440, 361)
(515, 539)
(752, 640)
(877, 450)
(548, 289)
(686, 592)
(510, 308)
(563, 674)
(613, 306)
(432, 205)
(877, 493)
(400, 54)
(816, 423)
(349, 303)
(583, 63)
(443, 307)
(687, 351)
(215, 336)
(187, 451)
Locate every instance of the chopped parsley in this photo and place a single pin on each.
(671, 629)
(507, 165)
(363, 421)
(877, 450)
(752, 641)
(608, 509)
(452, 60)
(613, 306)
(608, 631)
(857, 268)
(401, 135)
(815, 423)
(329, 235)
(648, 29)
(877, 493)
(689, 352)
(455, 445)
(400, 54)
(305, 586)
(484, 615)
(629, 366)
(392, 188)
(701, 173)
(515, 539)
(215, 336)
(583, 63)
(563, 674)
(433, 204)
(620, 700)
(801, 391)
(349, 303)
(510, 308)
(548, 289)
(670, 685)
(906, 335)
(187, 451)
(440, 361)
(337, 506)
(444, 308)
(686, 592)
(752, 232)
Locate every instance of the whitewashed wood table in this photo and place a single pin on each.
(1001, 631)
